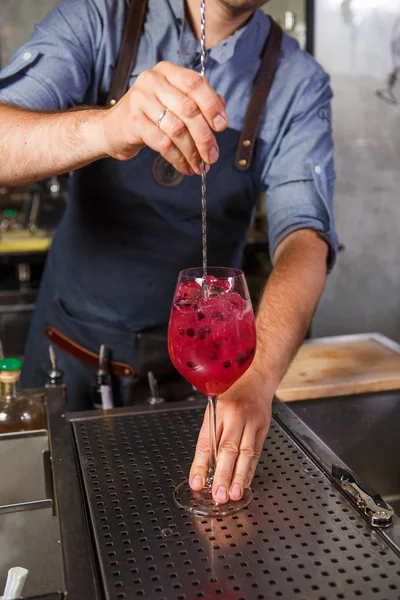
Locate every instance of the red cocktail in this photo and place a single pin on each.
(212, 337)
(211, 342)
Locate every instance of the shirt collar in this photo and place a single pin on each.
(226, 49)
(178, 8)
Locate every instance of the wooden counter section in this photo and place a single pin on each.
(340, 366)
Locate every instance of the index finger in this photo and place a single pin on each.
(196, 87)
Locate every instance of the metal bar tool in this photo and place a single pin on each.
(378, 512)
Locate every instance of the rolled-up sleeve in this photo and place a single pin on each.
(53, 69)
(300, 179)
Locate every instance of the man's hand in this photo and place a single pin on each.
(243, 417)
(185, 135)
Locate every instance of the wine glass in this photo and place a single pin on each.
(211, 342)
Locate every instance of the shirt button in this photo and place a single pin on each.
(318, 170)
(26, 55)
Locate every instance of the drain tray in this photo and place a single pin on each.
(299, 539)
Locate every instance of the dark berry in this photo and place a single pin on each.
(200, 315)
(218, 315)
(216, 345)
(181, 331)
(190, 365)
(241, 359)
(190, 332)
(227, 364)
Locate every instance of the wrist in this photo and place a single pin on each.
(264, 374)
(259, 379)
(92, 127)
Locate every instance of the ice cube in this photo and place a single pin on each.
(189, 290)
(219, 285)
(236, 301)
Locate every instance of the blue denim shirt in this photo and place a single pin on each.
(124, 237)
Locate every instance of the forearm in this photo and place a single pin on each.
(35, 145)
(288, 303)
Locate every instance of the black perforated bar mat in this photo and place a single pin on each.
(299, 539)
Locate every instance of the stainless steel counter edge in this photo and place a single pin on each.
(34, 505)
(79, 566)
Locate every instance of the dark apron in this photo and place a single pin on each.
(56, 318)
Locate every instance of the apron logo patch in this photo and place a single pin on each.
(165, 174)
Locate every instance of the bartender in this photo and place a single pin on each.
(130, 226)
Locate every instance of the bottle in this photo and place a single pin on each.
(55, 377)
(18, 411)
(103, 396)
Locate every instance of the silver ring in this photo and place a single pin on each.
(160, 118)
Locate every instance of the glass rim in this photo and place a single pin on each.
(234, 272)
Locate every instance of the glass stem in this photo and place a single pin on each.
(212, 434)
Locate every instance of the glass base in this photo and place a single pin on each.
(203, 504)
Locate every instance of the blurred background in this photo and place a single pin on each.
(358, 44)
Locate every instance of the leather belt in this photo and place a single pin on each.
(86, 356)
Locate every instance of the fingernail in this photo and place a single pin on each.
(197, 481)
(214, 154)
(221, 493)
(208, 167)
(219, 122)
(236, 491)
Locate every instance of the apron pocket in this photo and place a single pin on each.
(121, 345)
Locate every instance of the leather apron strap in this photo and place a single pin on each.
(128, 51)
(261, 88)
